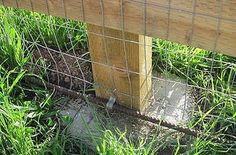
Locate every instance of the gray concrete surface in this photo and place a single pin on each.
(171, 101)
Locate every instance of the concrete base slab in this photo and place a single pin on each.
(171, 102)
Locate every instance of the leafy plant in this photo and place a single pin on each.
(11, 51)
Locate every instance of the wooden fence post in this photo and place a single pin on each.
(121, 68)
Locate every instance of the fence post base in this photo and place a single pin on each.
(122, 65)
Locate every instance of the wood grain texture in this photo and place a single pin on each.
(120, 69)
(209, 24)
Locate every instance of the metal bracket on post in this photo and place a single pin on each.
(110, 103)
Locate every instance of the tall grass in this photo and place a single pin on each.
(11, 46)
(28, 122)
(214, 115)
(212, 75)
(47, 30)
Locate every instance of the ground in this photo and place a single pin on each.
(32, 123)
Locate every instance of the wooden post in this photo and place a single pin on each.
(121, 68)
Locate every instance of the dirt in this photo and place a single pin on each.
(70, 70)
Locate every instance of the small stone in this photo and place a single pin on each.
(67, 79)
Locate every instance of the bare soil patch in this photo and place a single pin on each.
(71, 70)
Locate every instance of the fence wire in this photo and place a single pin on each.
(189, 85)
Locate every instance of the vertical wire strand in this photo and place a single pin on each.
(189, 55)
(87, 42)
(125, 52)
(17, 4)
(74, 53)
(64, 8)
(87, 38)
(167, 59)
(217, 34)
(47, 5)
(83, 11)
(219, 19)
(105, 49)
(32, 6)
(145, 50)
(65, 14)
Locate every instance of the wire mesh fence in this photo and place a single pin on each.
(189, 85)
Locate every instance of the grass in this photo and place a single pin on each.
(47, 30)
(12, 53)
(29, 122)
(215, 110)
